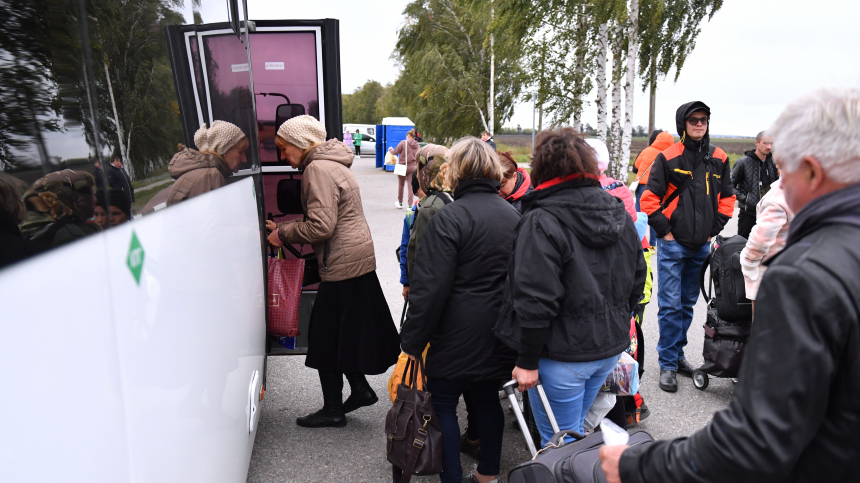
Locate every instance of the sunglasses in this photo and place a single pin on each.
(697, 120)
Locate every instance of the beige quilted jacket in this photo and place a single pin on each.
(335, 224)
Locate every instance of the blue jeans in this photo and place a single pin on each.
(445, 394)
(678, 278)
(652, 239)
(571, 388)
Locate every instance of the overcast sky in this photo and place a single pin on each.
(752, 59)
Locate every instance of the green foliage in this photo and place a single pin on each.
(667, 34)
(560, 41)
(43, 77)
(128, 40)
(360, 107)
(445, 55)
(39, 67)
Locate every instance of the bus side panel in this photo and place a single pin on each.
(191, 335)
(62, 415)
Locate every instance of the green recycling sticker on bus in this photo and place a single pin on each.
(135, 257)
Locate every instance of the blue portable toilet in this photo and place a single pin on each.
(388, 135)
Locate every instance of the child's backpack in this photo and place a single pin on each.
(727, 279)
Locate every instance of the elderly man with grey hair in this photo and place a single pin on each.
(796, 411)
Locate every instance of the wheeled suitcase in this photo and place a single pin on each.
(561, 462)
(729, 318)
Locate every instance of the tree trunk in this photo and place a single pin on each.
(540, 118)
(632, 51)
(119, 131)
(615, 128)
(602, 47)
(40, 144)
(652, 108)
(579, 68)
(491, 107)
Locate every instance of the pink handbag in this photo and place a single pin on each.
(285, 291)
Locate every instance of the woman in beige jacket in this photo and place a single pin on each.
(221, 151)
(351, 331)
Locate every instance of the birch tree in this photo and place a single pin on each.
(137, 102)
(632, 46)
(602, 48)
(617, 75)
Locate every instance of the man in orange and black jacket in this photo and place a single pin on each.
(688, 200)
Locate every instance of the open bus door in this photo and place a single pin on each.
(294, 67)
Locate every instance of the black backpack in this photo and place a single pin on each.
(727, 279)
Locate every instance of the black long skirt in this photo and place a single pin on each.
(351, 329)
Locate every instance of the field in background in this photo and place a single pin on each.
(521, 146)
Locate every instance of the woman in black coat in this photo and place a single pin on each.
(576, 273)
(454, 301)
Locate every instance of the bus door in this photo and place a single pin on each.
(294, 67)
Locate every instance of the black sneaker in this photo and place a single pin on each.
(323, 418)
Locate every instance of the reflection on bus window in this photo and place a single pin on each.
(59, 208)
(222, 152)
(117, 210)
(285, 72)
(89, 126)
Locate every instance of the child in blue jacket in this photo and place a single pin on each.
(408, 221)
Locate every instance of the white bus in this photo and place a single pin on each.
(138, 352)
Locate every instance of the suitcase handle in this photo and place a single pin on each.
(510, 389)
(557, 437)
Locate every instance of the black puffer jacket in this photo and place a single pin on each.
(456, 291)
(794, 416)
(576, 273)
(746, 177)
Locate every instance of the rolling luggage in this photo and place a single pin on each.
(561, 462)
(729, 319)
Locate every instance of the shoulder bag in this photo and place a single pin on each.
(400, 168)
(414, 444)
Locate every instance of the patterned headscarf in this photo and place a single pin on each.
(431, 168)
(57, 196)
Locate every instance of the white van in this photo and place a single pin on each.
(368, 137)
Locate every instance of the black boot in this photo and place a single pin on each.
(361, 394)
(684, 368)
(331, 415)
(668, 381)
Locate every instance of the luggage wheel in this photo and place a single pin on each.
(700, 380)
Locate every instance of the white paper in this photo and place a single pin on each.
(239, 67)
(274, 66)
(613, 435)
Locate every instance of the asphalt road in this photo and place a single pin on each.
(284, 452)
